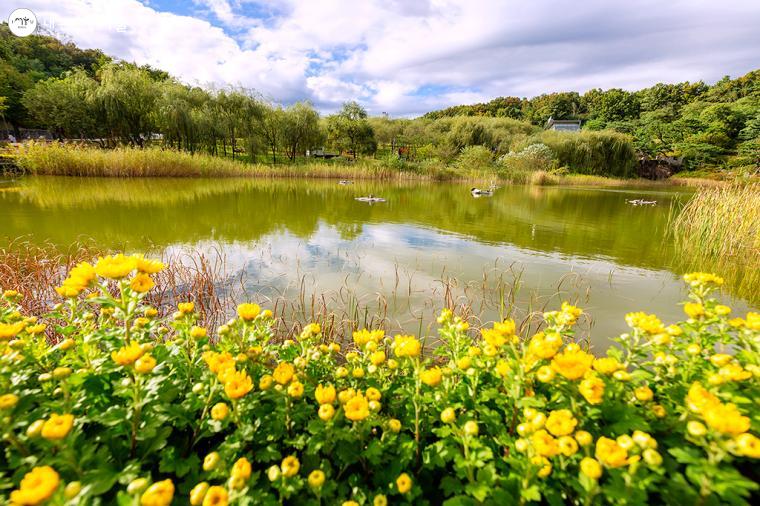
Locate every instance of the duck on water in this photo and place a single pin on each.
(371, 198)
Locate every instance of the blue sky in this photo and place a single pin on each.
(406, 57)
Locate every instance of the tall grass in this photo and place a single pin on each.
(719, 230)
(71, 160)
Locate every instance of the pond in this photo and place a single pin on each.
(396, 262)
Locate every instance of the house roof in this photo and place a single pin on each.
(552, 121)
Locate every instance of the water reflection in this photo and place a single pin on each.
(428, 244)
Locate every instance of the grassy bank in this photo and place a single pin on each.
(71, 160)
(720, 228)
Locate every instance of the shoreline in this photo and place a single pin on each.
(67, 161)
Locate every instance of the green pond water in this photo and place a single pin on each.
(428, 245)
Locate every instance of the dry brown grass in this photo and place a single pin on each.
(204, 278)
(719, 230)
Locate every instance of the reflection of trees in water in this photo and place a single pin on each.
(139, 212)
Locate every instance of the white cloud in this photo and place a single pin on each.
(383, 51)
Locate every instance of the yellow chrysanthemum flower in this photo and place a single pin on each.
(648, 323)
(572, 363)
(607, 365)
(316, 478)
(357, 408)
(290, 466)
(544, 443)
(241, 469)
(561, 422)
(406, 346)
(283, 373)
(702, 278)
(694, 310)
(325, 394)
(8, 401)
(145, 364)
(147, 265)
(610, 453)
(37, 486)
(748, 445)
(115, 266)
(216, 496)
(377, 357)
(237, 384)
(591, 468)
(364, 336)
(9, 330)
(432, 376)
(248, 311)
(158, 494)
(141, 283)
(127, 355)
(57, 426)
(592, 389)
(403, 483)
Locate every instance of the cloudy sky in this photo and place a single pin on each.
(406, 57)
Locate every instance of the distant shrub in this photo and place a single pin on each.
(532, 158)
(474, 158)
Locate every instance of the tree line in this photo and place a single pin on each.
(706, 125)
(78, 93)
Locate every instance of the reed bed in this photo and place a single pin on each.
(125, 162)
(719, 230)
(74, 160)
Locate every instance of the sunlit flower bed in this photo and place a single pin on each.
(115, 405)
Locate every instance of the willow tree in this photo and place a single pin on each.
(271, 127)
(66, 106)
(350, 130)
(234, 109)
(301, 129)
(178, 117)
(128, 96)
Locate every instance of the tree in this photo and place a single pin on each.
(349, 129)
(27, 60)
(611, 105)
(301, 128)
(236, 111)
(128, 96)
(272, 127)
(66, 106)
(564, 105)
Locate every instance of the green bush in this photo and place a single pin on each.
(535, 157)
(104, 401)
(474, 158)
(603, 153)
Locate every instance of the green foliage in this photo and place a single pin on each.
(66, 105)
(301, 129)
(80, 93)
(597, 153)
(27, 60)
(611, 105)
(474, 159)
(105, 401)
(535, 157)
(350, 131)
